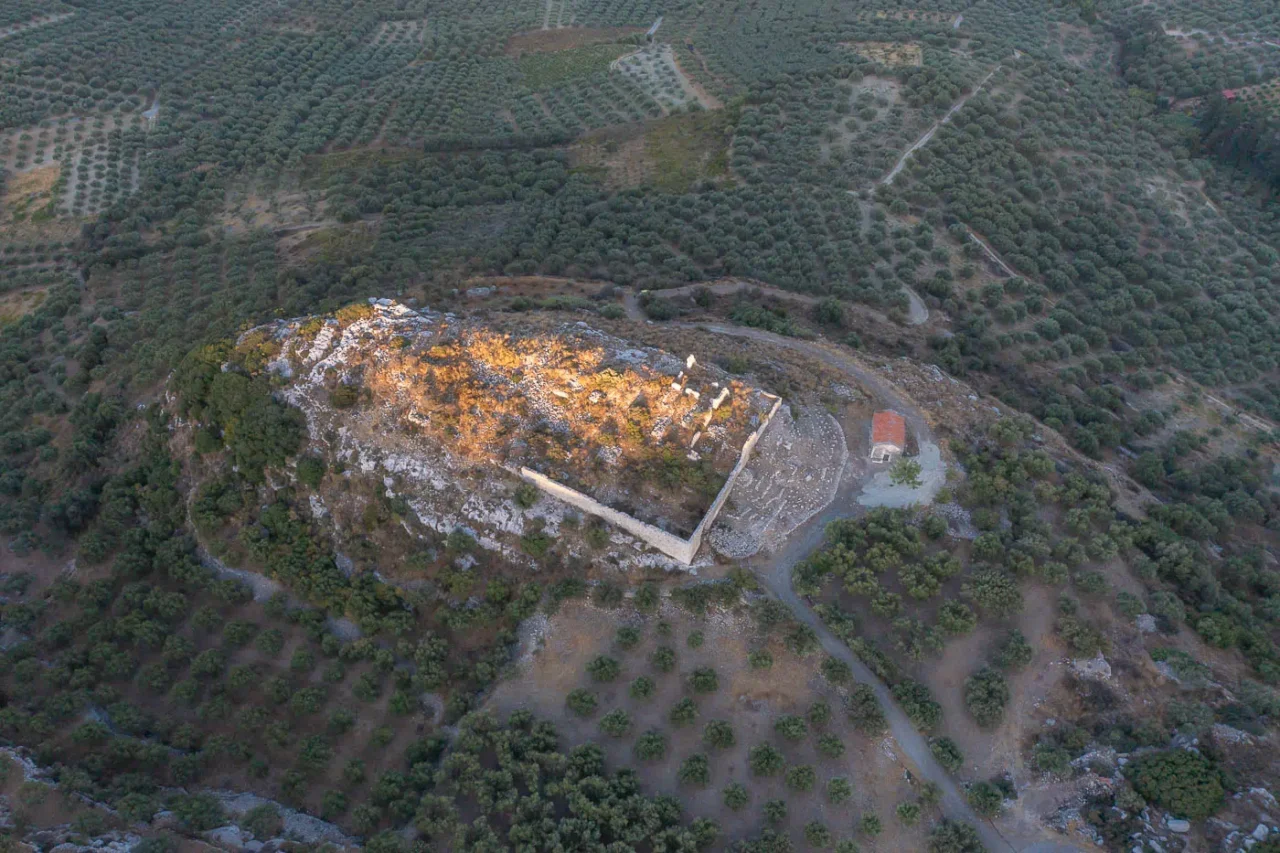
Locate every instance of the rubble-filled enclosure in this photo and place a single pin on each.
(644, 433)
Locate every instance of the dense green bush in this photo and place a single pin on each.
(985, 695)
(947, 753)
(1182, 782)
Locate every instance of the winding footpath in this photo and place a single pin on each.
(774, 571)
(924, 140)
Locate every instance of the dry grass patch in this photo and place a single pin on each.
(1265, 96)
(616, 156)
(891, 53)
(28, 192)
(671, 153)
(923, 15)
(566, 38)
(14, 306)
(553, 663)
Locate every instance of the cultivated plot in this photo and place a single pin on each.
(655, 70)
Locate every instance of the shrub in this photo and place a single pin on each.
(735, 796)
(311, 470)
(1176, 780)
(947, 753)
(597, 535)
(642, 688)
(836, 671)
(695, 640)
(704, 680)
(791, 727)
(934, 526)
(801, 777)
(864, 709)
(616, 723)
(764, 760)
(908, 813)
(817, 834)
(1167, 606)
(839, 790)
(263, 821)
(830, 746)
(627, 638)
(955, 617)
(995, 591)
(775, 811)
(197, 812)
(581, 702)
(1051, 758)
(985, 798)
(1091, 582)
(985, 695)
(760, 659)
(695, 770)
(1130, 605)
(951, 836)
(603, 669)
(651, 746)
(869, 825)
(819, 713)
(663, 659)
(718, 734)
(683, 712)
(526, 495)
(1015, 652)
(1084, 639)
(607, 595)
(802, 640)
(918, 703)
(345, 396)
(647, 597)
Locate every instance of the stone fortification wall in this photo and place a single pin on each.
(743, 458)
(670, 544)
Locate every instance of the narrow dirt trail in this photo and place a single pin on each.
(774, 571)
(918, 312)
(991, 253)
(732, 287)
(928, 134)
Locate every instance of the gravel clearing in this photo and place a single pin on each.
(793, 475)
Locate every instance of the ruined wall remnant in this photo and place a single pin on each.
(673, 546)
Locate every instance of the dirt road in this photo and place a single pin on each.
(991, 253)
(928, 134)
(774, 571)
(733, 286)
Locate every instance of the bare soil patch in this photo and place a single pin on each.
(566, 38)
(618, 156)
(990, 752)
(671, 153)
(14, 306)
(924, 15)
(25, 191)
(654, 68)
(252, 207)
(750, 700)
(891, 53)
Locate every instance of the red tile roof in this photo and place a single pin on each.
(888, 428)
